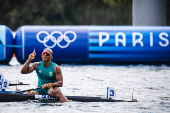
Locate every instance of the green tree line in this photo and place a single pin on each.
(16, 13)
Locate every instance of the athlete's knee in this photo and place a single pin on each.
(55, 91)
(33, 92)
(27, 92)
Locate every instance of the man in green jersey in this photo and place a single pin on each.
(49, 75)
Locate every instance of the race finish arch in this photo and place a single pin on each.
(6, 40)
(96, 44)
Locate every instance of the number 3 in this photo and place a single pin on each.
(112, 92)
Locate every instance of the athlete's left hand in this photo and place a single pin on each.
(46, 86)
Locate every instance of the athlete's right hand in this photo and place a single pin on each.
(32, 55)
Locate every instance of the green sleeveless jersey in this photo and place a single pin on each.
(45, 74)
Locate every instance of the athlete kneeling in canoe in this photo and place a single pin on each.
(49, 75)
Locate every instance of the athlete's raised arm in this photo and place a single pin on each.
(26, 68)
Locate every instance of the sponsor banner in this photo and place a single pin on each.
(129, 43)
(95, 44)
(68, 43)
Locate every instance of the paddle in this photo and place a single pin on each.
(13, 84)
(27, 90)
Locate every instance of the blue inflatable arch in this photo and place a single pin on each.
(6, 40)
(71, 46)
(95, 44)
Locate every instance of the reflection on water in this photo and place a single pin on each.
(150, 83)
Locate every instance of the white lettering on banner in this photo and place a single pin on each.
(58, 40)
(151, 39)
(139, 40)
(101, 41)
(135, 41)
(123, 41)
(167, 42)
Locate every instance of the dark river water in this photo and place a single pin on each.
(150, 86)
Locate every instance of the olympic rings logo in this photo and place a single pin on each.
(56, 41)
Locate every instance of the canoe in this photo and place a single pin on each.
(9, 96)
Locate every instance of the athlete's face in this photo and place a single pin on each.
(46, 56)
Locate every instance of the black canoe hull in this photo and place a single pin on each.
(14, 97)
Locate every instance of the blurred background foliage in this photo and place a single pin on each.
(16, 13)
